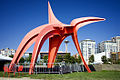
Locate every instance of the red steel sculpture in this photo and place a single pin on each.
(56, 31)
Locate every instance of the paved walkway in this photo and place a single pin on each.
(24, 78)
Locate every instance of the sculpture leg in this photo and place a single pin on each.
(74, 37)
(54, 44)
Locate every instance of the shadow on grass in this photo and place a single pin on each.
(12, 75)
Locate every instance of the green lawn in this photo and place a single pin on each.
(102, 75)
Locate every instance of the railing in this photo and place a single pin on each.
(58, 68)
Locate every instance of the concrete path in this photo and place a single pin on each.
(24, 78)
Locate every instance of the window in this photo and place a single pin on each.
(89, 50)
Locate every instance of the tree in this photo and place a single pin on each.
(22, 60)
(67, 58)
(78, 60)
(91, 59)
(118, 61)
(72, 59)
(110, 60)
(11, 56)
(59, 58)
(45, 59)
(28, 59)
(104, 59)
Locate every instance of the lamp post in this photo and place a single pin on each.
(66, 42)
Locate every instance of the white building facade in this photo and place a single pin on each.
(117, 41)
(7, 52)
(87, 48)
(107, 47)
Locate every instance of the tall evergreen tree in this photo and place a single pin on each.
(104, 59)
(45, 59)
(91, 59)
(59, 58)
(22, 60)
(67, 58)
(78, 60)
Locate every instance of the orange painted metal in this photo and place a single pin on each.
(20, 68)
(54, 44)
(6, 69)
(56, 31)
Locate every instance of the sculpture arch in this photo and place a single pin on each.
(56, 31)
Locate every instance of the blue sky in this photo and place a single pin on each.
(18, 17)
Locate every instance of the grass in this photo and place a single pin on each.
(102, 75)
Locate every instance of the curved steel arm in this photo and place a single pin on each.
(80, 22)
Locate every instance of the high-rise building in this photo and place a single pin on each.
(117, 40)
(87, 48)
(107, 47)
